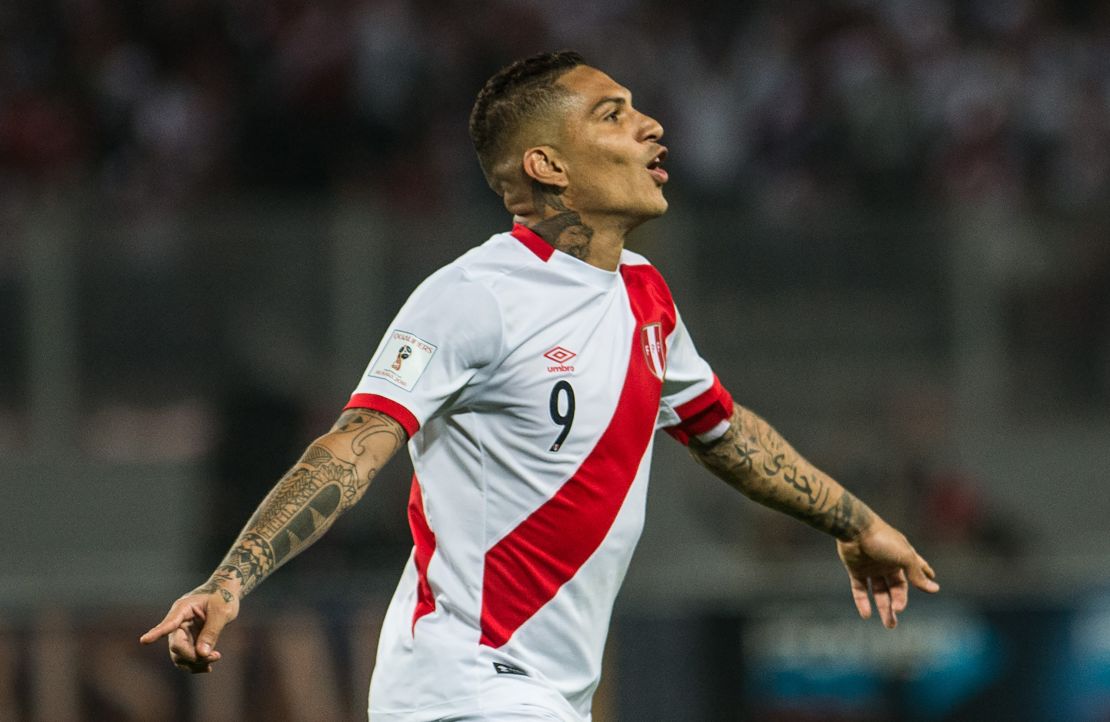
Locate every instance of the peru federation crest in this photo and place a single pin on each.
(655, 350)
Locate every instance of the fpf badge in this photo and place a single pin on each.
(655, 350)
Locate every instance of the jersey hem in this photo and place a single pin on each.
(481, 704)
(451, 707)
(703, 414)
(387, 406)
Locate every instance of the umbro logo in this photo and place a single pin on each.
(559, 356)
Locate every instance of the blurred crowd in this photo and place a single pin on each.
(785, 110)
(779, 105)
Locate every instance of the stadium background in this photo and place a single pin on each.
(889, 234)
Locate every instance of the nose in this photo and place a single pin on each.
(652, 130)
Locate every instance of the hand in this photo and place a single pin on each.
(193, 625)
(881, 559)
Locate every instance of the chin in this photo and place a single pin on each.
(659, 207)
(648, 213)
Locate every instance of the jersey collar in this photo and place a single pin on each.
(533, 242)
(547, 253)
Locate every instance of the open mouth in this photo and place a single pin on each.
(655, 167)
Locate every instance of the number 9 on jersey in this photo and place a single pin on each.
(562, 390)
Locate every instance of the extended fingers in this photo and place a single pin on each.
(891, 591)
(860, 596)
(880, 589)
(173, 619)
(899, 591)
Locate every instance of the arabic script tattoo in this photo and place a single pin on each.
(757, 461)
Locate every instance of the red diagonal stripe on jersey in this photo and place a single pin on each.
(424, 546)
(526, 568)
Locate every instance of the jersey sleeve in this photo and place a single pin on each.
(447, 332)
(694, 403)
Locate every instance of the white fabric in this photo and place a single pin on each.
(501, 324)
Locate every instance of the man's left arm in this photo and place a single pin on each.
(755, 460)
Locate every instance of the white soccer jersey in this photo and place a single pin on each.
(531, 385)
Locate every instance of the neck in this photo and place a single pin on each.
(598, 244)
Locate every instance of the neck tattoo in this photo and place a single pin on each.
(564, 230)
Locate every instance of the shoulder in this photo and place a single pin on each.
(474, 271)
(468, 297)
(453, 293)
(631, 258)
(500, 257)
(639, 271)
(458, 297)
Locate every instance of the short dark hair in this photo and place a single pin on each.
(516, 95)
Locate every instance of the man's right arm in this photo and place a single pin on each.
(330, 477)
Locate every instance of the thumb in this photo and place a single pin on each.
(922, 576)
(206, 640)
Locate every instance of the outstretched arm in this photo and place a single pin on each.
(755, 460)
(330, 477)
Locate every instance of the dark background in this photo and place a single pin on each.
(889, 233)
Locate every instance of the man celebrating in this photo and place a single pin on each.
(528, 378)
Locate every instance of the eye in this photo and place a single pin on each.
(613, 117)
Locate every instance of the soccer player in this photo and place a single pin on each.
(528, 378)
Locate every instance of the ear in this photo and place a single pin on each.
(542, 163)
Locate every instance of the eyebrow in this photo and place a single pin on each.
(616, 100)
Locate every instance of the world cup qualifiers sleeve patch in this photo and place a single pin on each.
(403, 359)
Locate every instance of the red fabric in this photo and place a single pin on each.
(424, 543)
(702, 413)
(532, 241)
(398, 412)
(526, 568)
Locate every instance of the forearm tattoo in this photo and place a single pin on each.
(325, 482)
(757, 461)
(564, 230)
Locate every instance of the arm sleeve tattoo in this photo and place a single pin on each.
(754, 459)
(331, 475)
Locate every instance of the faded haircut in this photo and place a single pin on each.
(519, 94)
